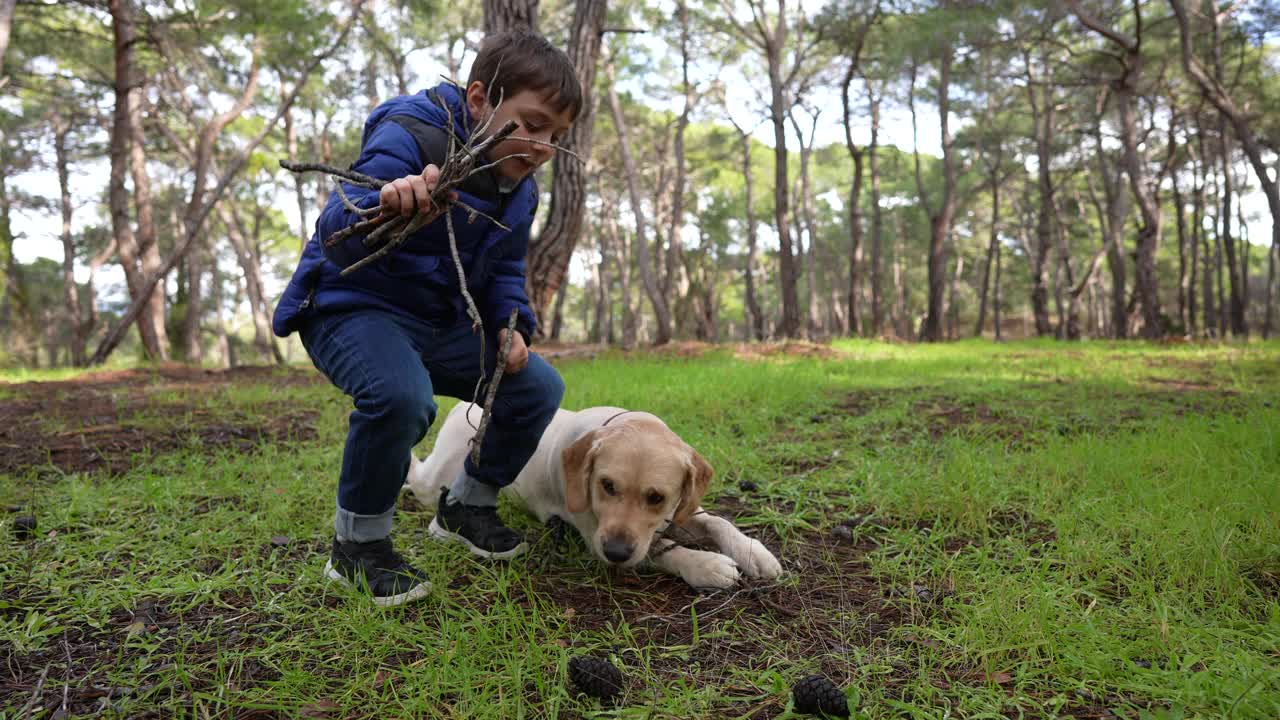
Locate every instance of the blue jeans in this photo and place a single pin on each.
(392, 366)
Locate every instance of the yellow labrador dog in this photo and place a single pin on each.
(621, 478)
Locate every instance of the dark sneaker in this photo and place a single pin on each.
(477, 527)
(377, 569)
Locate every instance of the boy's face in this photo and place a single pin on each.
(536, 119)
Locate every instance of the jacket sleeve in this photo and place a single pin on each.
(506, 289)
(390, 153)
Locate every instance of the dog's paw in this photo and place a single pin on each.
(711, 570)
(755, 560)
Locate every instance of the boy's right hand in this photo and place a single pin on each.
(408, 195)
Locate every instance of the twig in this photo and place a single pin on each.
(351, 176)
(389, 226)
(558, 148)
(482, 168)
(472, 311)
(66, 682)
(474, 212)
(35, 695)
(346, 201)
(346, 232)
(493, 388)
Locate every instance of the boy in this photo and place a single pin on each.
(395, 332)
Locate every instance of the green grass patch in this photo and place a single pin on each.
(969, 530)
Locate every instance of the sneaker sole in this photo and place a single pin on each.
(417, 592)
(439, 533)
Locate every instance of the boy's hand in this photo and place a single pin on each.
(410, 194)
(518, 358)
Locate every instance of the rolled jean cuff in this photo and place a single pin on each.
(352, 527)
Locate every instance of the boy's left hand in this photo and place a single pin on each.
(518, 358)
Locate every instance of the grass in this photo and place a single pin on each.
(1032, 530)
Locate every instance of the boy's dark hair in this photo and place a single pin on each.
(525, 60)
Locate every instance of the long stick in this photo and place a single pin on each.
(499, 365)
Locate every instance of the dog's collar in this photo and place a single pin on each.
(611, 419)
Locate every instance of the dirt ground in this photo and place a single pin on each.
(102, 421)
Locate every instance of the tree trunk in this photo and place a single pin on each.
(192, 349)
(1197, 229)
(995, 309)
(242, 242)
(122, 135)
(1113, 219)
(940, 223)
(1271, 291)
(201, 171)
(1220, 281)
(1207, 263)
(814, 327)
(557, 316)
(855, 208)
(675, 244)
(291, 146)
(1245, 247)
(951, 310)
(6, 24)
(902, 322)
(992, 245)
(623, 256)
(549, 253)
(778, 104)
(90, 319)
(754, 316)
(70, 294)
(148, 247)
(1146, 280)
(660, 309)
(1179, 209)
(1070, 328)
(599, 328)
(1042, 116)
(502, 15)
(222, 340)
(877, 224)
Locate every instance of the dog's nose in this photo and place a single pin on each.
(618, 551)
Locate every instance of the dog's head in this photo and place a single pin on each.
(635, 477)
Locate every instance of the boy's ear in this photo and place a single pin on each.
(478, 100)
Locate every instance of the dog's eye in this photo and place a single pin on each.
(654, 497)
(609, 489)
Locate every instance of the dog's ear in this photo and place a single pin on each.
(576, 461)
(697, 479)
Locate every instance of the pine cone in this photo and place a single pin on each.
(595, 677)
(24, 527)
(816, 694)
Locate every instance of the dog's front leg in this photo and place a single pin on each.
(699, 568)
(751, 556)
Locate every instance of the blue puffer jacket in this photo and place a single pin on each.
(418, 278)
